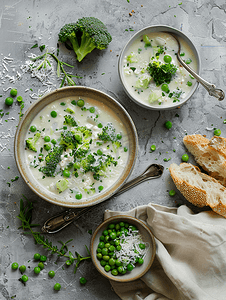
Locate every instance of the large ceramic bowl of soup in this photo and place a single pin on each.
(76, 146)
(150, 72)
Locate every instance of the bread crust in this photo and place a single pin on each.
(209, 154)
(193, 193)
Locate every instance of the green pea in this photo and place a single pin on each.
(185, 157)
(107, 268)
(101, 245)
(119, 247)
(37, 270)
(114, 272)
(140, 261)
(19, 99)
(142, 246)
(51, 274)
(37, 256)
(33, 128)
(99, 125)
(188, 61)
(41, 265)
(105, 232)
(217, 132)
(14, 266)
(117, 242)
(106, 257)
(111, 248)
(189, 83)
(100, 188)
(22, 268)
(80, 102)
(111, 226)
(130, 267)
(165, 88)
(153, 147)
(168, 124)
(99, 152)
(82, 280)
(73, 102)
(124, 272)
(66, 173)
(119, 136)
(99, 250)
(117, 226)
(99, 256)
(107, 245)
(47, 139)
(120, 269)
(167, 59)
(53, 141)
(92, 110)
(78, 196)
(172, 193)
(104, 251)
(47, 146)
(57, 286)
(118, 262)
(53, 114)
(111, 261)
(106, 239)
(101, 238)
(24, 278)
(113, 235)
(13, 92)
(43, 258)
(9, 101)
(122, 224)
(103, 263)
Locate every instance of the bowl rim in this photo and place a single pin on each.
(169, 28)
(93, 253)
(88, 202)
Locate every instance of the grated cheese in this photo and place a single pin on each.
(130, 250)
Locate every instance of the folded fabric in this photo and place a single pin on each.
(190, 261)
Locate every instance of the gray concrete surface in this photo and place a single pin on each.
(25, 22)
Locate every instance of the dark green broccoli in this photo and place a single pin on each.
(68, 140)
(108, 135)
(161, 72)
(52, 159)
(87, 162)
(85, 35)
(69, 120)
(31, 142)
(69, 33)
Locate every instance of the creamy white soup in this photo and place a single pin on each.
(152, 72)
(76, 148)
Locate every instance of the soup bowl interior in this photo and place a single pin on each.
(112, 107)
(121, 63)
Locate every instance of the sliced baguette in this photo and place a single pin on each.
(209, 154)
(198, 188)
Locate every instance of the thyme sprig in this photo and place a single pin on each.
(60, 67)
(25, 216)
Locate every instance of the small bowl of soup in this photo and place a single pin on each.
(150, 72)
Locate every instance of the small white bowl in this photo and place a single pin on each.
(147, 30)
(147, 237)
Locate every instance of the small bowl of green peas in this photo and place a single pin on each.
(123, 248)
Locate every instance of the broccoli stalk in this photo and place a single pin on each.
(31, 142)
(85, 35)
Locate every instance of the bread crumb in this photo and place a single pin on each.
(204, 135)
(130, 14)
(141, 5)
(133, 11)
(110, 50)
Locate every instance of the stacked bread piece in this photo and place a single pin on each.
(198, 188)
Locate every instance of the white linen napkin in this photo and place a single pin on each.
(190, 261)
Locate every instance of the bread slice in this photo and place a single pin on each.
(198, 188)
(209, 154)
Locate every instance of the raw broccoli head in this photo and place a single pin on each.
(85, 35)
(31, 142)
(69, 33)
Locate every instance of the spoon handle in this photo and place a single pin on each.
(60, 221)
(211, 88)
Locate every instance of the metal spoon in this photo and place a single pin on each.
(60, 221)
(211, 88)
